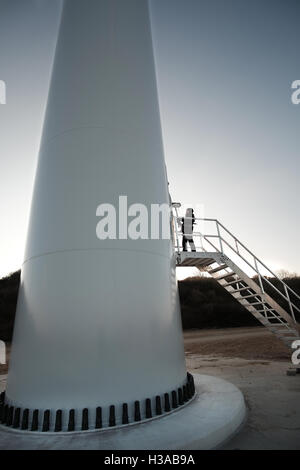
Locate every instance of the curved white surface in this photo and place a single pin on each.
(210, 420)
(98, 322)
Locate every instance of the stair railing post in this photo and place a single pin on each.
(219, 235)
(257, 270)
(201, 241)
(289, 301)
(261, 285)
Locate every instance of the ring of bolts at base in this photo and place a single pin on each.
(19, 419)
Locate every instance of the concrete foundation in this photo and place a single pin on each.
(211, 419)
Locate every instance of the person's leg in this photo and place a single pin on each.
(184, 242)
(192, 244)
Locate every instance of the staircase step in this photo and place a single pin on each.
(256, 303)
(268, 319)
(219, 268)
(255, 313)
(264, 322)
(245, 297)
(283, 329)
(278, 322)
(274, 317)
(238, 290)
(225, 276)
(233, 282)
(261, 319)
(276, 329)
(266, 310)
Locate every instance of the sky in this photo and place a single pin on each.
(231, 132)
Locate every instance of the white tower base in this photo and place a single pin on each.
(216, 413)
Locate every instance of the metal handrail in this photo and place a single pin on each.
(267, 280)
(238, 244)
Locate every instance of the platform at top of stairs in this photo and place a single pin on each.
(197, 258)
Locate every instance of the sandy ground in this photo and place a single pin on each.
(247, 343)
(256, 362)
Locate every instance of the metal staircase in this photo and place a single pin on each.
(243, 275)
